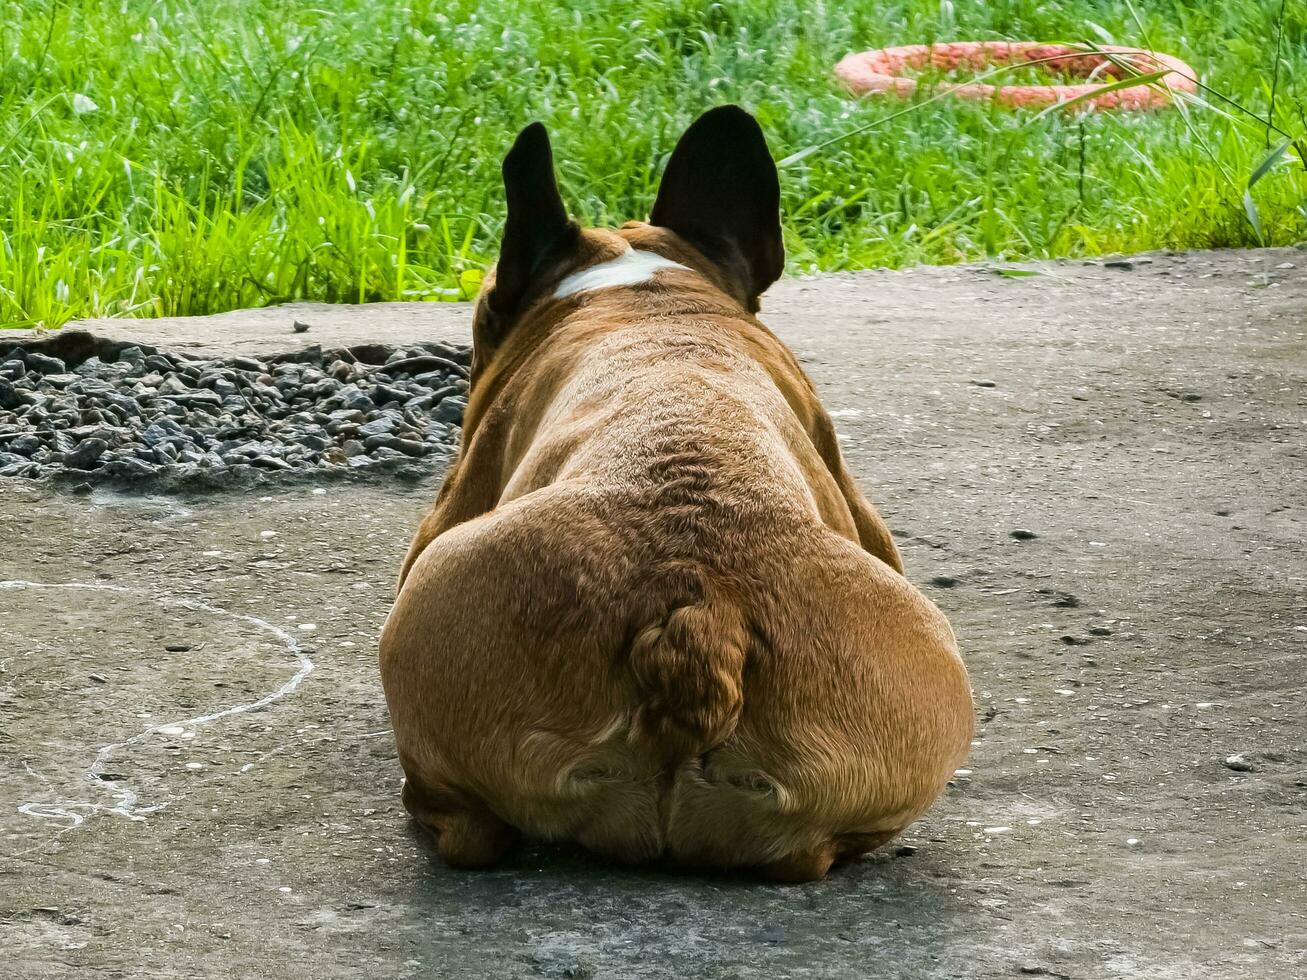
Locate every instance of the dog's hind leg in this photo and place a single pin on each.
(467, 834)
(795, 869)
(812, 865)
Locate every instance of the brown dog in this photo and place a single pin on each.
(650, 611)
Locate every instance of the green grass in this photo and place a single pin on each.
(188, 156)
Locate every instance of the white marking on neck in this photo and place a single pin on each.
(631, 267)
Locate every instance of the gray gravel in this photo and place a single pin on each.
(133, 414)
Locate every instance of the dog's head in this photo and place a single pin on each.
(717, 213)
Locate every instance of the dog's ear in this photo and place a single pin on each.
(537, 221)
(721, 193)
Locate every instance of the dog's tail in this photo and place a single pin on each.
(688, 667)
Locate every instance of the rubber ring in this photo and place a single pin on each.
(881, 72)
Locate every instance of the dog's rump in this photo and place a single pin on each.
(620, 716)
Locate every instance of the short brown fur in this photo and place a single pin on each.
(650, 611)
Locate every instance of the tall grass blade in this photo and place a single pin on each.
(1150, 78)
(1254, 216)
(1265, 166)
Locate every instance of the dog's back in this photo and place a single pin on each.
(650, 613)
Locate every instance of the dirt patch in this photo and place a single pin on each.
(1098, 473)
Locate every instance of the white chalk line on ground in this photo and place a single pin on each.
(125, 799)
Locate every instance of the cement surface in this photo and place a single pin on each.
(197, 777)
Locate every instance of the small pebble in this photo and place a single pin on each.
(1238, 763)
(1022, 534)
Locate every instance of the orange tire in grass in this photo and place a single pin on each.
(883, 72)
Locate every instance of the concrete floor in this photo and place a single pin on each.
(197, 777)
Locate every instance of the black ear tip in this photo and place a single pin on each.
(729, 118)
(533, 133)
(726, 132)
(728, 111)
(529, 149)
